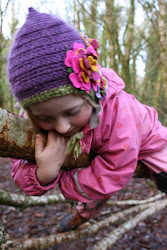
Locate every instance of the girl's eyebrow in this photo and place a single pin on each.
(65, 110)
(72, 108)
(42, 116)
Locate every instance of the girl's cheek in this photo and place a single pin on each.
(83, 118)
(45, 126)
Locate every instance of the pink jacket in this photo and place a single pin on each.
(128, 131)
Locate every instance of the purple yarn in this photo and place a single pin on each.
(36, 61)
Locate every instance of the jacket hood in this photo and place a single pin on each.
(115, 84)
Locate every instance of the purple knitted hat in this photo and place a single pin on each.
(50, 58)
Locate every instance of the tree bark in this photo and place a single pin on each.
(112, 31)
(160, 95)
(24, 201)
(17, 140)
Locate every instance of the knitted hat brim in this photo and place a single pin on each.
(55, 92)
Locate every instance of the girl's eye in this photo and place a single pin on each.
(73, 113)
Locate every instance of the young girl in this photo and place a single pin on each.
(55, 76)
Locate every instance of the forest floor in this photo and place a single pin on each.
(43, 221)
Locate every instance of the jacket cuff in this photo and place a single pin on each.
(38, 188)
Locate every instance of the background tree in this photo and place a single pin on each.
(155, 40)
(3, 42)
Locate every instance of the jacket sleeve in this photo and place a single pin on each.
(24, 175)
(117, 143)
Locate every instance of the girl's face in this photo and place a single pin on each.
(66, 114)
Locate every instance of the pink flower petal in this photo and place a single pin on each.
(95, 85)
(95, 43)
(86, 62)
(91, 50)
(95, 75)
(75, 64)
(69, 55)
(80, 76)
(79, 84)
(88, 72)
(80, 53)
(77, 46)
(74, 79)
(103, 84)
(86, 86)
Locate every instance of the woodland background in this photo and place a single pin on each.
(132, 34)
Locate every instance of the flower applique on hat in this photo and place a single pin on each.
(83, 67)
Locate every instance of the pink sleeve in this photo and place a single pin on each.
(117, 143)
(24, 175)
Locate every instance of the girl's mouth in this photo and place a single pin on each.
(71, 133)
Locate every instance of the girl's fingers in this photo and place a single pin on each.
(55, 139)
(38, 145)
(51, 137)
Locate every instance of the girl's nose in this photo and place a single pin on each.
(62, 125)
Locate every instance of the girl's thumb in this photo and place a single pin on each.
(38, 144)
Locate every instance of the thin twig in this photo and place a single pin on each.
(136, 202)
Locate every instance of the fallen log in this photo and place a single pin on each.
(17, 140)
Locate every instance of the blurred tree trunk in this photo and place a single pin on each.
(4, 46)
(76, 19)
(1, 36)
(128, 43)
(103, 57)
(13, 29)
(115, 49)
(160, 96)
(93, 27)
(89, 17)
(112, 33)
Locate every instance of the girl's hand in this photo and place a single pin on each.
(49, 158)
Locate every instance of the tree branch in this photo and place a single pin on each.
(127, 226)
(87, 229)
(23, 201)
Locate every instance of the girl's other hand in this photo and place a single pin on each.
(50, 158)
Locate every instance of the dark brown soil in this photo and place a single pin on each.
(42, 221)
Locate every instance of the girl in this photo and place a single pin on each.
(55, 76)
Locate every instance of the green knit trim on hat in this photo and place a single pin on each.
(61, 91)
